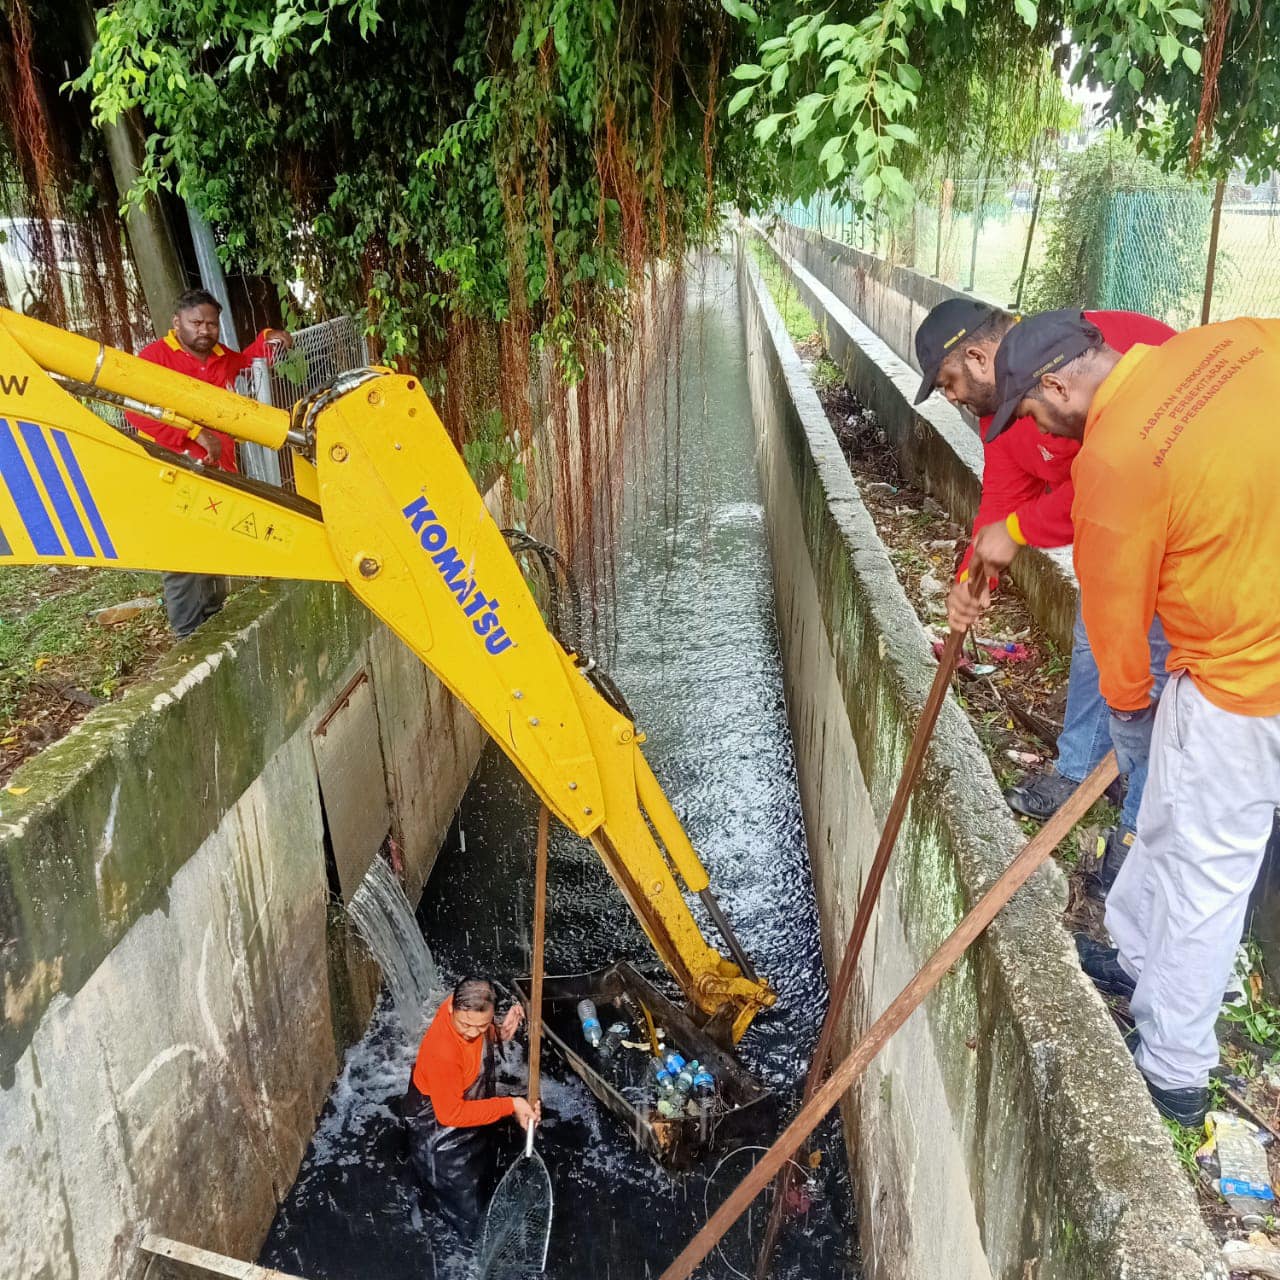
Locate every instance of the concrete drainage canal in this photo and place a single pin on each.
(687, 629)
(750, 611)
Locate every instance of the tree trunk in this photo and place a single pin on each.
(154, 250)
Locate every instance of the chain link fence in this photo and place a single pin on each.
(1151, 250)
(320, 353)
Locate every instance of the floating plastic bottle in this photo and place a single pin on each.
(616, 1034)
(673, 1063)
(590, 1022)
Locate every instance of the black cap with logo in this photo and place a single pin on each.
(940, 331)
(1039, 345)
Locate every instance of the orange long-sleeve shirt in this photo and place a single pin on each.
(446, 1067)
(1175, 513)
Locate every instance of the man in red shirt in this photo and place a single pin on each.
(450, 1102)
(1026, 500)
(192, 347)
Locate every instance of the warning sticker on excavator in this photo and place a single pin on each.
(223, 512)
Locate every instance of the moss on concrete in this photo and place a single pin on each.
(163, 765)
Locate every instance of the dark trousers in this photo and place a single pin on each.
(455, 1166)
(190, 598)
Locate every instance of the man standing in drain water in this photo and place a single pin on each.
(1175, 515)
(1026, 499)
(450, 1106)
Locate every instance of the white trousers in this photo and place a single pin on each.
(1177, 908)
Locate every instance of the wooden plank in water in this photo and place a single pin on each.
(185, 1262)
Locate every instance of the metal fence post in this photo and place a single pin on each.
(1210, 267)
(260, 462)
(1026, 253)
(942, 204)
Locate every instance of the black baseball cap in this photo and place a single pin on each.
(939, 332)
(1033, 348)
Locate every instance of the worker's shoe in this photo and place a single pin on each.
(1102, 966)
(1113, 847)
(1040, 795)
(1185, 1106)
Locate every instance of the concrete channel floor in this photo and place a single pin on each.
(694, 647)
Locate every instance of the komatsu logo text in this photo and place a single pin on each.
(453, 569)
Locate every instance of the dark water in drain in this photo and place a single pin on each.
(695, 650)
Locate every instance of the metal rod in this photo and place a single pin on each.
(1206, 305)
(539, 944)
(866, 909)
(1035, 852)
(87, 391)
(741, 959)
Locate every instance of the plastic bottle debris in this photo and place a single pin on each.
(613, 1039)
(685, 1078)
(117, 613)
(703, 1093)
(673, 1063)
(590, 1022)
(1243, 1180)
(667, 1106)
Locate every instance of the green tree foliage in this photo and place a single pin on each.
(859, 89)
(1125, 235)
(437, 164)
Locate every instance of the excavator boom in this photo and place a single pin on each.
(392, 512)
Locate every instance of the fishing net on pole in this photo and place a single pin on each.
(517, 1225)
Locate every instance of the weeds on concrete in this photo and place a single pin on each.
(56, 661)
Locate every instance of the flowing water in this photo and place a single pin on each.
(691, 640)
(384, 917)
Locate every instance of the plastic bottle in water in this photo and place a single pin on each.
(673, 1063)
(616, 1034)
(590, 1022)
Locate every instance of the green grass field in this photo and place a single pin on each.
(1247, 278)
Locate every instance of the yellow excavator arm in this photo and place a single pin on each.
(387, 507)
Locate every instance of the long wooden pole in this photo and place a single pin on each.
(1036, 851)
(539, 943)
(862, 919)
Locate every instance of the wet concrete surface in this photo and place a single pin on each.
(689, 635)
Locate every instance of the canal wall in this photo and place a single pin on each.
(868, 310)
(1003, 1132)
(178, 977)
(937, 446)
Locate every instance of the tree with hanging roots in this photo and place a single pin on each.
(435, 165)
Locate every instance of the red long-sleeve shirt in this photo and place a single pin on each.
(1026, 478)
(219, 370)
(447, 1067)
